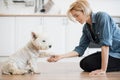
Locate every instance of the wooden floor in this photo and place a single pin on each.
(61, 71)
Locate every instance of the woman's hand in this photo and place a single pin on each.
(54, 58)
(98, 72)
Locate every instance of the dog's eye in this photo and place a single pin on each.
(43, 41)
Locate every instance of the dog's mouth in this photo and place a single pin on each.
(45, 48)
(40, 48)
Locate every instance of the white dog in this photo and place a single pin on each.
(25, 60)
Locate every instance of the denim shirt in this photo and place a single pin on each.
(106, 32)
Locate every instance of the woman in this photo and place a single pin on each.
(98, 28)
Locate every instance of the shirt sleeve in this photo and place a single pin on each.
(106, 29)
(83, 44)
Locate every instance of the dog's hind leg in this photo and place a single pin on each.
(13, 69)
(19, 71)
(6, 73)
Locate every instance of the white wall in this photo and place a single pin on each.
(110, 6)
(68, 34)
(61, 6)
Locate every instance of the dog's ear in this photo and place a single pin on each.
(34, 36)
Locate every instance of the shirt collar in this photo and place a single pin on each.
(93, 17)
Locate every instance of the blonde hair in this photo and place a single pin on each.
(79, 5)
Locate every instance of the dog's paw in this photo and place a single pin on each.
(37, 72)
(44, 54)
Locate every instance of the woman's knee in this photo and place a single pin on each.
(84, 65)
(90, 63)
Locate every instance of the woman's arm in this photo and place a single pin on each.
(104, 62)
(70, 54)
(104, 57)
(55, 58)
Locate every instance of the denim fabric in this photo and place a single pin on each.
(106, 33)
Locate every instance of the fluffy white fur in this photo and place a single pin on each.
(25, 60)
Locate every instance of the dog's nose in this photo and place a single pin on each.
(50, 46)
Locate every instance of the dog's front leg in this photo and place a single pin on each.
(33, 65)
(44, 54)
